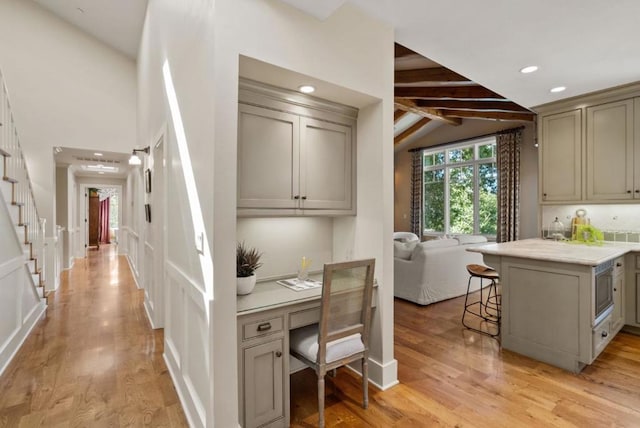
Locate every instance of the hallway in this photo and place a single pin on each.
(94, 360)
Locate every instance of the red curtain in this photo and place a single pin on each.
(103, 229)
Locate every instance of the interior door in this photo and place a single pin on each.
(157, 201)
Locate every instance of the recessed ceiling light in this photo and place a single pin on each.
(557, 89)
(97, 154)
(306, 89)
(100, 172)
(529, 69)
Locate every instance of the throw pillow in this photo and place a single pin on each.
(403, 250)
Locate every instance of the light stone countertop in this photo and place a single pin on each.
(560, 252)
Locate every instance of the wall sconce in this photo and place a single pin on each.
(134, 159)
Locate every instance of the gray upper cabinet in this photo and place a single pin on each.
(296, 155)
(610, 151)
(268, 151)
(325, 171)
(561, 152)
(590, 148)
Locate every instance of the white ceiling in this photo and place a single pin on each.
(89, 163)
(118, 23)
(585, 45)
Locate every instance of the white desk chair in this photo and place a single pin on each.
(342, 336)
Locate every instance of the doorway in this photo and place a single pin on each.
(102, 215)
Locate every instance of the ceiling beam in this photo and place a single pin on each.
(491, 115)
(398, 114)
(472, 105)
(410, 105)
(411, 130)
(458, 92)
(434, 74)
(401, 51)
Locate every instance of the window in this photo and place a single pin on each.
(460, 188)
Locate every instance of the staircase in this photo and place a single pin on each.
(17, 192)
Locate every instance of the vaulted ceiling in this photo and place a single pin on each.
(428, 94)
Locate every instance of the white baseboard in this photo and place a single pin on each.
(149, 316)
(133, 272)
(15, 343)
(382, 376)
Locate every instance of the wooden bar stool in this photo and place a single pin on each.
(486, 309)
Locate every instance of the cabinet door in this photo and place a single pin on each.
(325, 165)
(263, 383)
(268, 158)
(636, 145)
(618, 312)
(610, 151)
(561, 166)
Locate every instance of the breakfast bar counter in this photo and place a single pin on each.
(562, 302)
(558, 251)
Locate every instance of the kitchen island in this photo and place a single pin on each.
(550, 309)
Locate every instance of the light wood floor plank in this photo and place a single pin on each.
(94, 360)
(453, 377)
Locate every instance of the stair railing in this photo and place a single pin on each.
(29, 225)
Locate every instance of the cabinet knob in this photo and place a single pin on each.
(605, 334)
(278, 354)
(628, 191)
(637, 191)
(544, 194)
(618, 264)
(304, 198)
(615, 289)
(296, 197)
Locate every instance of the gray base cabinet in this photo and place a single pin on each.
(632, 292)
(263, 387)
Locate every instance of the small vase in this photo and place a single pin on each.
(246, 284)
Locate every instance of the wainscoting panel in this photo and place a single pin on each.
(150, 284)
(20, 308)
(185, 342)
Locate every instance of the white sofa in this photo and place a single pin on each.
(431, 271)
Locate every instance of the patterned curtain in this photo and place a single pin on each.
(416, 192)
(508, 147)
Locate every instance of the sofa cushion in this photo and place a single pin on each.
(439, 243)
(470, 239)
(403, 250)
(405, 237)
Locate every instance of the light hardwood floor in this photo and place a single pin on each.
(94, 361)
(450, 376)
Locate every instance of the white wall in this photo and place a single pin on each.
(66, 89)
(284, 241)
(468, 130)
(202, 45)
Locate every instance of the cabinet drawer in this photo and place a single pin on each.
(262, 327)
(304, 317)
(601, 336)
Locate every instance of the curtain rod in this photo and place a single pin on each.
(504, 131)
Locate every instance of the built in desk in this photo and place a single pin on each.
(264, 319)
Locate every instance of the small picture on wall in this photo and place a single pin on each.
(147, 212)
(147, 180)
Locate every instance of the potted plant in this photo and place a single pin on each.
(247, 261)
